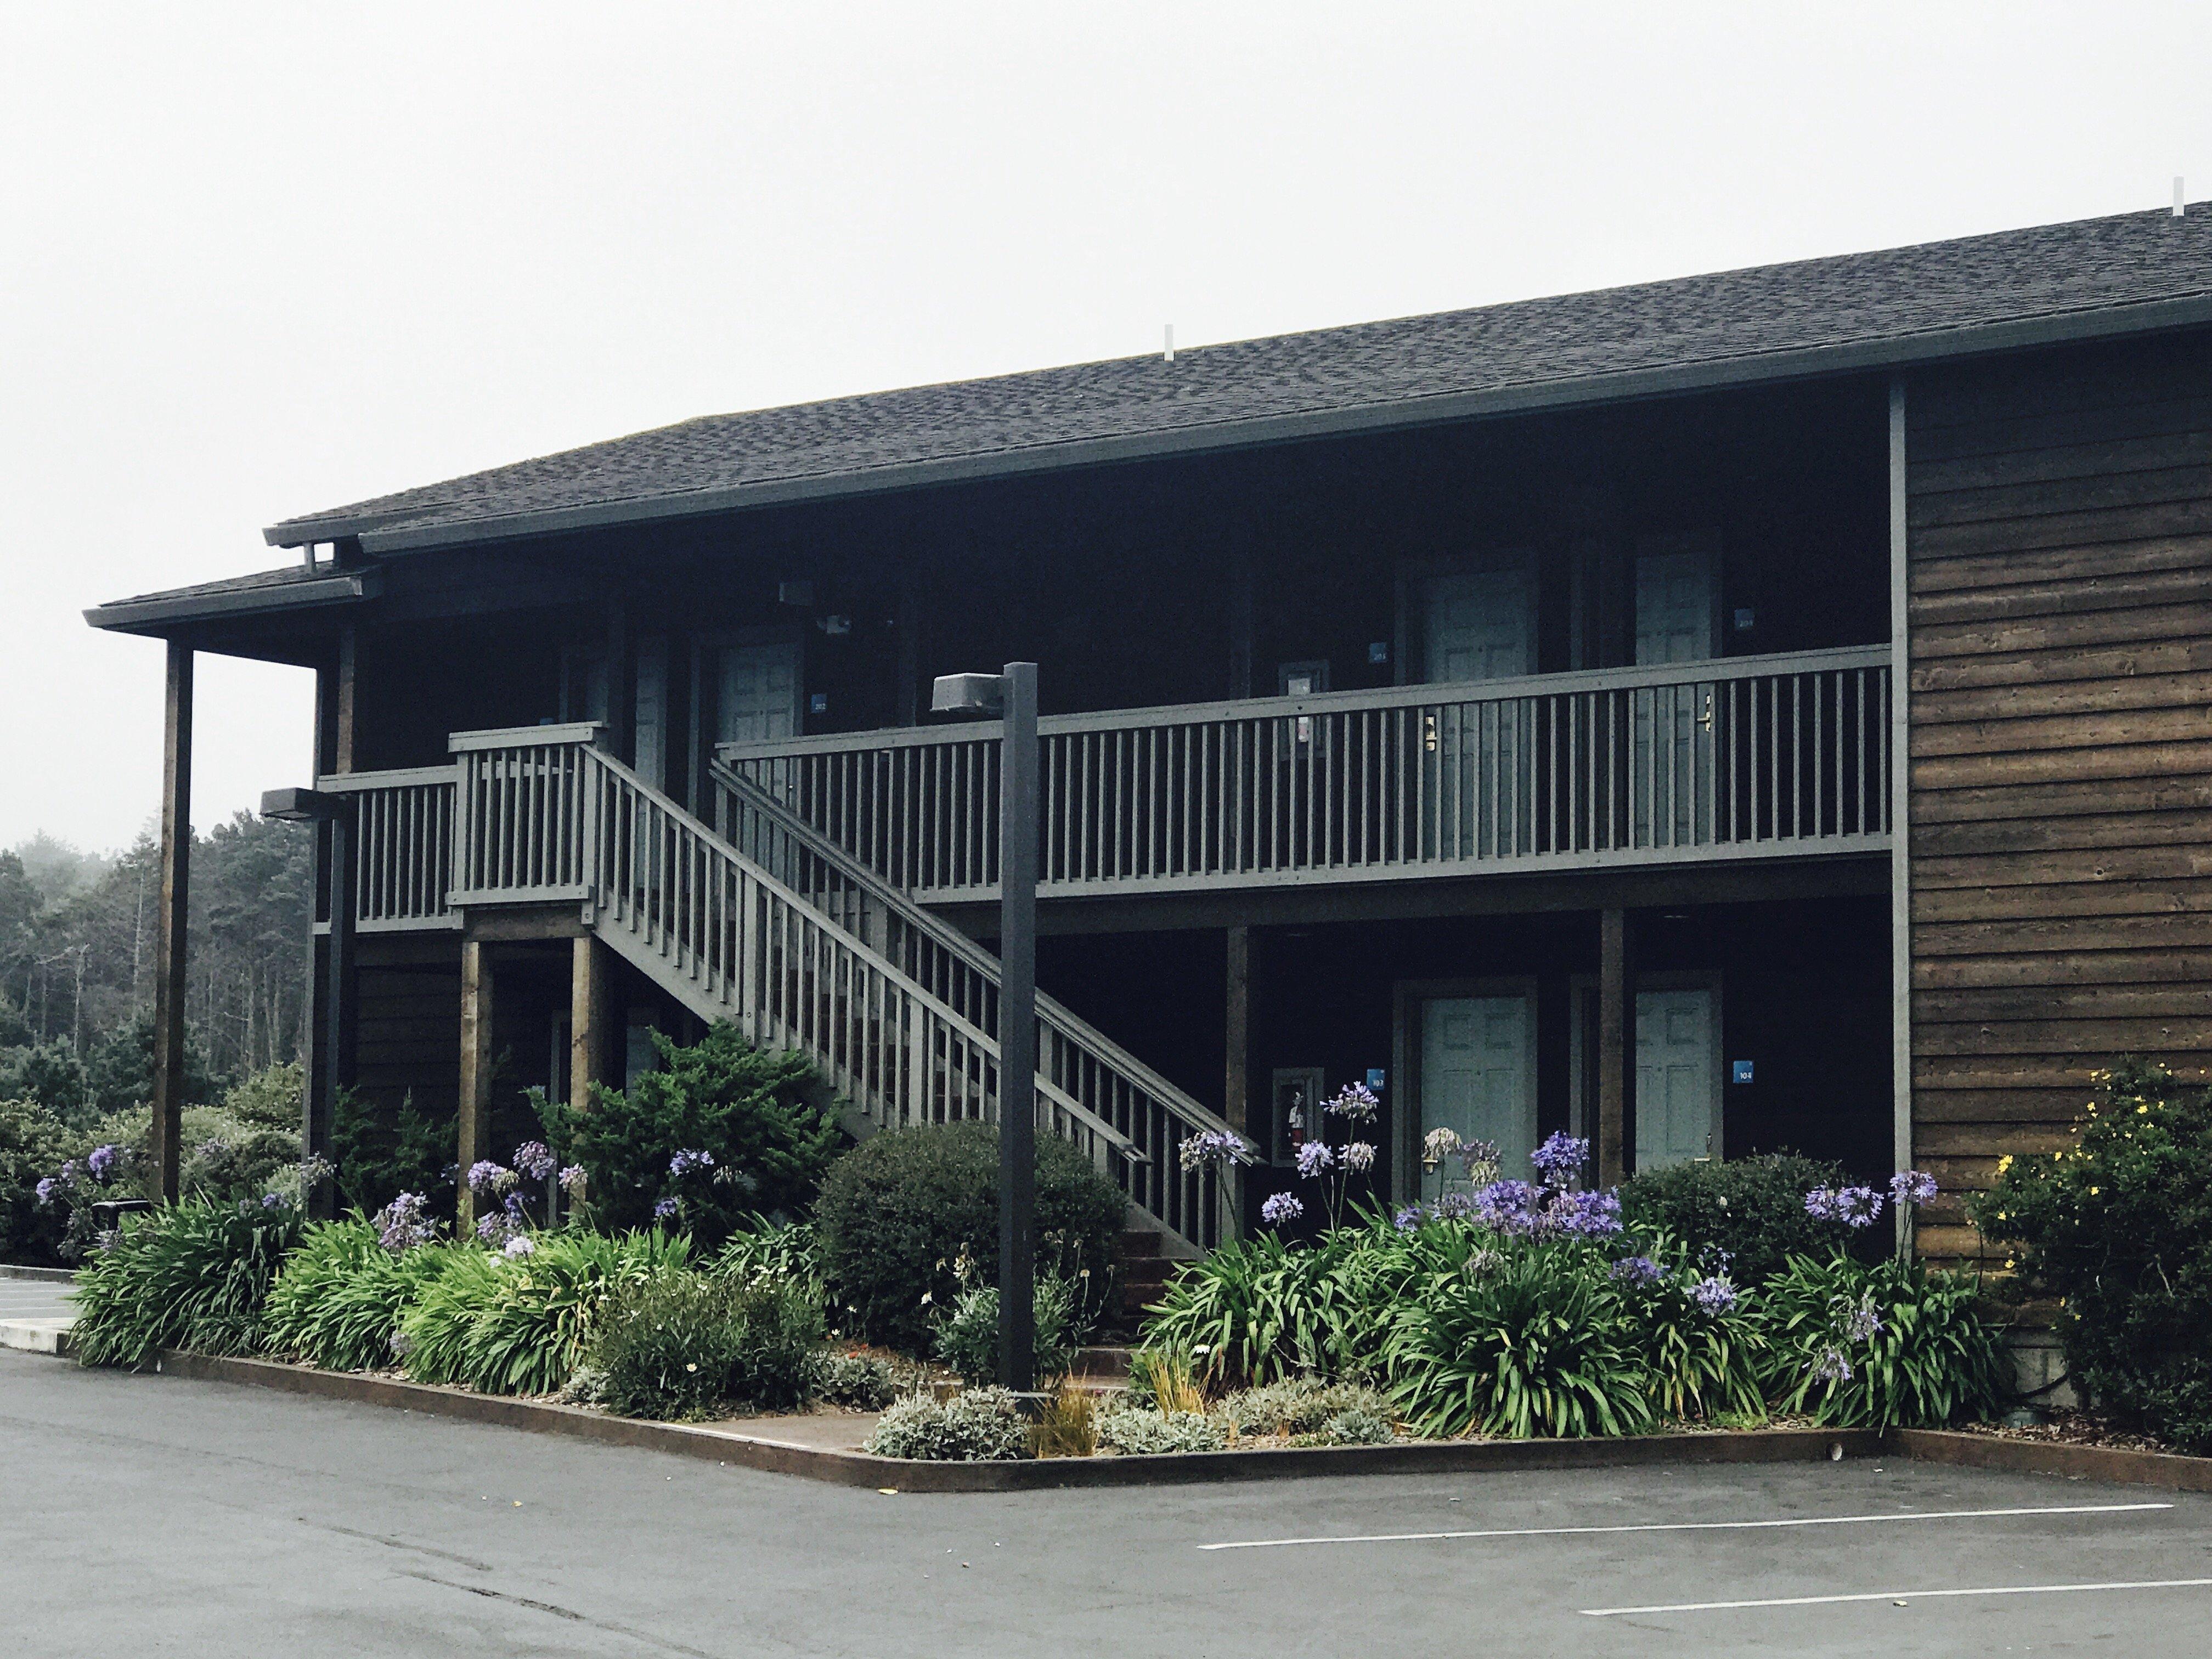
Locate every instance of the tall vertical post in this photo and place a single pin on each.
(169, 940)
(475, 1070)
(1237, 1084)
(1900, 805)
(1018, 880)
(338, 1004)
(1616, 1046)
(588, 1021)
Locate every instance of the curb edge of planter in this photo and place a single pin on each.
(2113, 1464)
(48, 1275)
(857, 1469)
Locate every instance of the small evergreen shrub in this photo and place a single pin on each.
(2120, 1231)
(1300, 1406)
(862, 1382)
(968, 1340)
(976, 1425)
(188, 1276)
(779, 1333)
(720, 1131)
(1753, 1209)
(1356, 1427)
(34, 1143)
(339, 1297)
(676, 1345)
(898, 1212)
(1143, 1431)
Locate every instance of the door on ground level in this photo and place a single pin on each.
(1678, 1076)
(1477, 1073)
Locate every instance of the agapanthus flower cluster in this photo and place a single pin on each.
(103, 1162)
(1831, 1366)
(1863, 1323)
(1584, 1215)
(572, 1180)
(1854, 1207)
(1912, 1186)
(1560, 1158)
(404, 1223)
(517, 1246)
(666, 1209)
(1356, 1155)
(1408, 1219)
(1315, 1158)
(1279, 1207)
(691, 1158)
(1355, 1103)
(1523, 1210)
(1438, 1145)
(1508, 1206)
(1213, 1148)
(1638, 1270)
(486, 1177)
(534, 1158)
(497, 1226)
(1714, 1293)
(1480, 1159)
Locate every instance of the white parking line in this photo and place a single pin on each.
(1903, 1596)
(1685, 1526)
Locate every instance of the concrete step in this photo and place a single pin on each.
(1101, 1364)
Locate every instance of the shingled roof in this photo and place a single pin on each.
(2126, 273)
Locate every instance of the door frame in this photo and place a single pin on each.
(1693, 979)
(1406, 585)
(1406, 997)
(1706, 541)
(706, 689)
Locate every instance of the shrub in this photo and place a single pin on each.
(968, 1340)
(1751, 1208)
(339, 1297)
(898, 1212)
(763, 1249)
(1301, 1406)
(1892, 1346)
(666, 1348)
(864, 1382)
(1697, 1333)
(381, 1154)
(1142, 1431)
(976, 1425)
(763, 1121)
(779, 1332)
(1536, 1344)
(34, 1144)
(1357, 1426)
(189, 1275)
(517, 1324)
(2120, 1231)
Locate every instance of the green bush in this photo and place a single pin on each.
(898, 1212)
(2120, 1231)
(1751, 1208)
(976, 1425)
(381, 1154)
(1355, 1426)
(1534, 1344)
(338, 1300)
(665, 1348)
(34, 1144)
(1894, 1345)
(1301, 1404)
(968, 1340)
(189, 1275)
(1696, 1332)
(1145, 1431)
(518, 1324)
(765, 1121)
(762, 1250)
(863, 1381)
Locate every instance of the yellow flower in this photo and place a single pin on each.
(2004, 1163)
(2094, 1191)
(2142, 1111)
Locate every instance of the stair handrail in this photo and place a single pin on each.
(1050, 1010)
(985, 1042)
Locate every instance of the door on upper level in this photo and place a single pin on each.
(1673, 784)
(1477, 625)
(1678, 1074)
(1477, 1071)
(757, 691)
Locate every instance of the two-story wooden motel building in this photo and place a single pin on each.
(1765, 709)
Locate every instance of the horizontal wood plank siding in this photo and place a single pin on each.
(2060, 604)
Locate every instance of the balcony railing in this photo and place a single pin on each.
(403, 846)
(1749, 757)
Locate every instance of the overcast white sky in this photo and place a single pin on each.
(259, 259)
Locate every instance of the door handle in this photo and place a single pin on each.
(1705, 720)
(1429, 733)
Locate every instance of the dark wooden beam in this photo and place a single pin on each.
(1237, 1091)
(169, 938)
(588, 1021)
(1616, 1044)
(474, 1116)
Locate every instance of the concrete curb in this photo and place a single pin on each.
(49, 1275)
(37, 1335)
(2107, 1463)
(854, 1468)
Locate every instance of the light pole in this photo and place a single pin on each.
(1012, 695)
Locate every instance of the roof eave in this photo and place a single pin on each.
(159, 614)
(1888, 352)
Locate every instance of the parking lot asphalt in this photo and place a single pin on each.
(153, 1513)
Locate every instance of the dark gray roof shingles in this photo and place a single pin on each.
(1852, 299)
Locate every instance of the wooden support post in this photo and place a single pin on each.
(329, 1067)
(476, 1069)
(1236, 1092)
(1901, 807)
(588, 1021)
(169, 942)
(1616, 1045)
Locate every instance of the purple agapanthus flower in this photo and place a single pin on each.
(1560, 1158)
(486, 1177)
(1831, 1366)
(1212, 1147)
(1863, 1323)
(664, 1209)
(1854, 1207)
(45, 1190)
(1584, 1215)
(102, 1161)
(691, 1158)
(404, 1223)
(1315, 1158)
(1713, 1293)
(1638, 1270)
(572, 1180)
(493, 1227)
(1278, 1207)
(534, 1158)
(1355, 1103)
(1912, 1187)
(1410, 1218)
(1510, 1206)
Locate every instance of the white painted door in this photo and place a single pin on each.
(756, 693)
(1677, 1077)
(1477, 1073)
(1672, 780)
(1479, 625)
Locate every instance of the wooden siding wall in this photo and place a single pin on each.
(2060, 566)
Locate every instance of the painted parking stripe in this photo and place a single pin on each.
(1904, 1596)
(1685, 1526)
